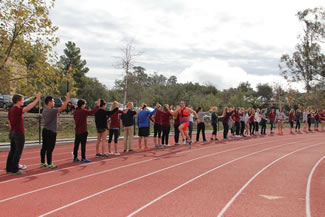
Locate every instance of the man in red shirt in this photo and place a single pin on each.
(17, 132)
(81, 128)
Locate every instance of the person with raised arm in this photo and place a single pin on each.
(226, 115)
(143, 124)
(81, 129)
(101, 117)
(183, 113)
(127, 118)
(17, 132)
(49, 132)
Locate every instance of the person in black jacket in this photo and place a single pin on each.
(101, 117)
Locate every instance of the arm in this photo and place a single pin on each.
(195, 114)
(31, 105)
(67, 97)
(94, 110)
(109, 113)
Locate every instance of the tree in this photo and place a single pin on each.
(72, 58)
(307, 63)
(24, 25)
(264, 91)
(126, 62)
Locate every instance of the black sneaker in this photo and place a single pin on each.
(104, 156)
(131, 150)
(98, 155)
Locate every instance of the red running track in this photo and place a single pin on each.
(258, 176)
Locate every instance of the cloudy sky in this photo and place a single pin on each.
(208, 41)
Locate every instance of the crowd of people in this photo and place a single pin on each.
(239, 121)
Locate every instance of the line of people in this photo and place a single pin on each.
(239, 121)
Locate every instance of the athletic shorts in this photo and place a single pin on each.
(185, 124)
(144, 131)
(101, 130)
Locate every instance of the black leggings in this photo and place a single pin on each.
(263, 126)
(298, 124)
(200, 126)
(251, 128)
(49, 140)
(214, 125)
(165, 134)
(225, 130)
(115, 133)
(242, 127)
(256, 126)
(237, 126)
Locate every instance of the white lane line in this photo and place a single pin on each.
(109, 170)
(224, 209)
(195, 178)
(144, 176)
(308, 210)
(123, 156)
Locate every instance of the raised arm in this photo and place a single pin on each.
(31, 105)
(67, 97)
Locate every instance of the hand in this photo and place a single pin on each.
(38, 96)
(157, 105)
(98, 102)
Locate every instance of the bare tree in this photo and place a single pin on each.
(127, 62)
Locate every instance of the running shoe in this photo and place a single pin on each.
(124, 150)
(43, 165)
(110, 153)
(85, 160)
(146, 148)
(184, 142)
(98, 155)
(22, 167)
(104, 156)
(131, 150)
(117, 153)
(190, 144)
(19, 173)
(76, 159)
(52, 166)
(139, 148)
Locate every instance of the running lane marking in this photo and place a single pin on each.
(149, 174)
(257, 174)
(122, 156)
(109, 170)
(308, 210)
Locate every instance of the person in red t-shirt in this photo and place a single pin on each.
(17, 132)
(114, 128)
(80, 116)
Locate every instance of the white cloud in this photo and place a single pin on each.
(222, 75)
(246, 36)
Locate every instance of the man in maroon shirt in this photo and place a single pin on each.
(17, 133)
(81, 129)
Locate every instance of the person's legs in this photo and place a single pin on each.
(98, 141)
(130, 138)
(77, 141)
(83, 145)
(45, 144)
(18, 142)
(103, 141)
(52, 141)
(176, 133)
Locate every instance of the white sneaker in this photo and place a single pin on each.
(22, 167)
(184, 142)
(110, 153)
(166, 145)
(117, 153)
